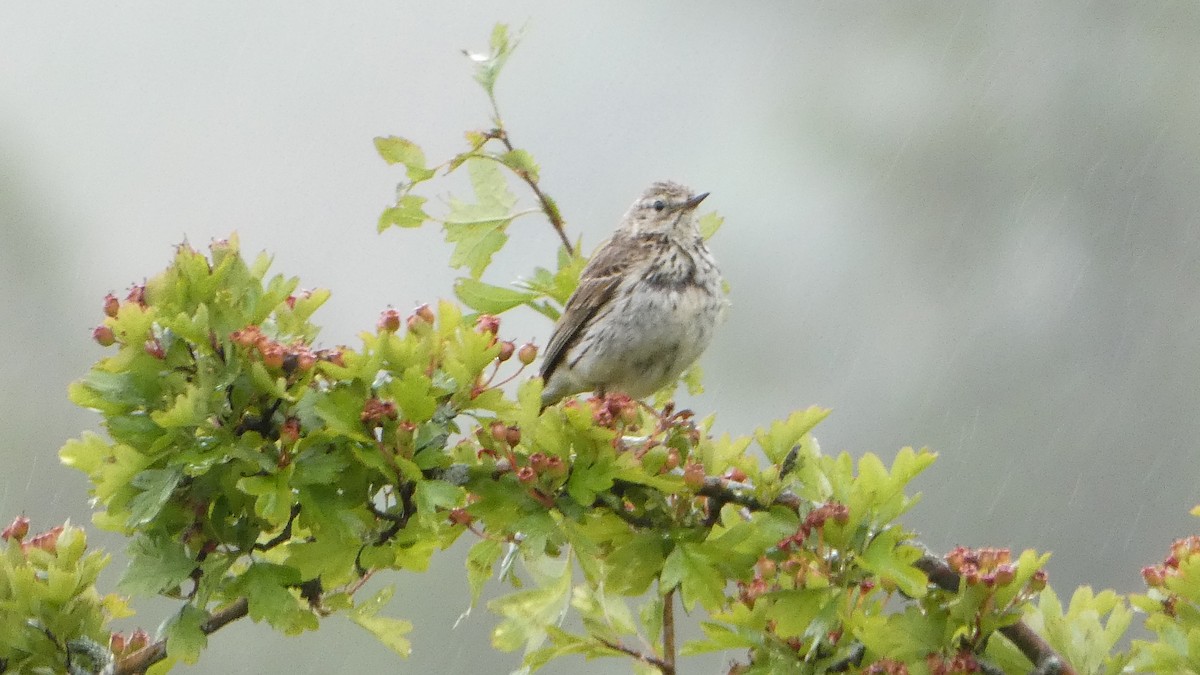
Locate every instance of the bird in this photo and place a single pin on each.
(647, 304)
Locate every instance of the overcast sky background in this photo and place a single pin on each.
(966, 226)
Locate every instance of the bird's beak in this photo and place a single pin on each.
(693, 202)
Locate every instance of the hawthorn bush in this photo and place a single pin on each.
(257, 474)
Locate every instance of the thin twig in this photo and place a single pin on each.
(283, 535)
(548, 205)
(1037, 650)
(640, 656)
(668, 629)
(149, 655)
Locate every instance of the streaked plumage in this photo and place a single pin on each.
(646, 307)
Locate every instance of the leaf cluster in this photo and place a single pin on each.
(258, 473)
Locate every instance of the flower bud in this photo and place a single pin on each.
(506, 351)
(487, 323)
(272, 355)
(1153, 575)
(389, 321)
(137, 294)
(46, 541)
(424, 313)
(556, 467)
(527, 353)
(289, 433)
(460, 516)
(154, 348)
(693, 476)
(17, 530)
(1038, 581)
(104, 336)
(512, 435)
(111, 305)
(1004, 574)
(499, 432)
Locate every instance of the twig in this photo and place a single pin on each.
(149, 655)
(640, 656)
(548, 205)
(283, 535)
(668, 629)
(1032, 646)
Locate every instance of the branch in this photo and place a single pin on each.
(666, 668)
(547, 204)
(668, 628)
(1039, 652)
(149, 655)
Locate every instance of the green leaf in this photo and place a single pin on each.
(710, 223)
(631, 568)
(408, 212)
(478, 230)
(387, 630)
(521, 162)
(480, 561)
(396, 150)
(432, 495)
(265, 587)
(157, 486)
(697, 576)
(887, 558)
(488, 66)
(185, 639)
(155, 565)
(489, 299)
(529, 614)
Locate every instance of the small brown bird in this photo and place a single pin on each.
(646, 306)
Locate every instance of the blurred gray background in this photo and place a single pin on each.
(966, 226)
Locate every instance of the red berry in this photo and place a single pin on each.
(526, 475)
(513, 435)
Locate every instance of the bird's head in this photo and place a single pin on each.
(664, 208)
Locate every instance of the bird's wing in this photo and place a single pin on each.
(600, 277)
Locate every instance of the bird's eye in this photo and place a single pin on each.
(659, 205)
